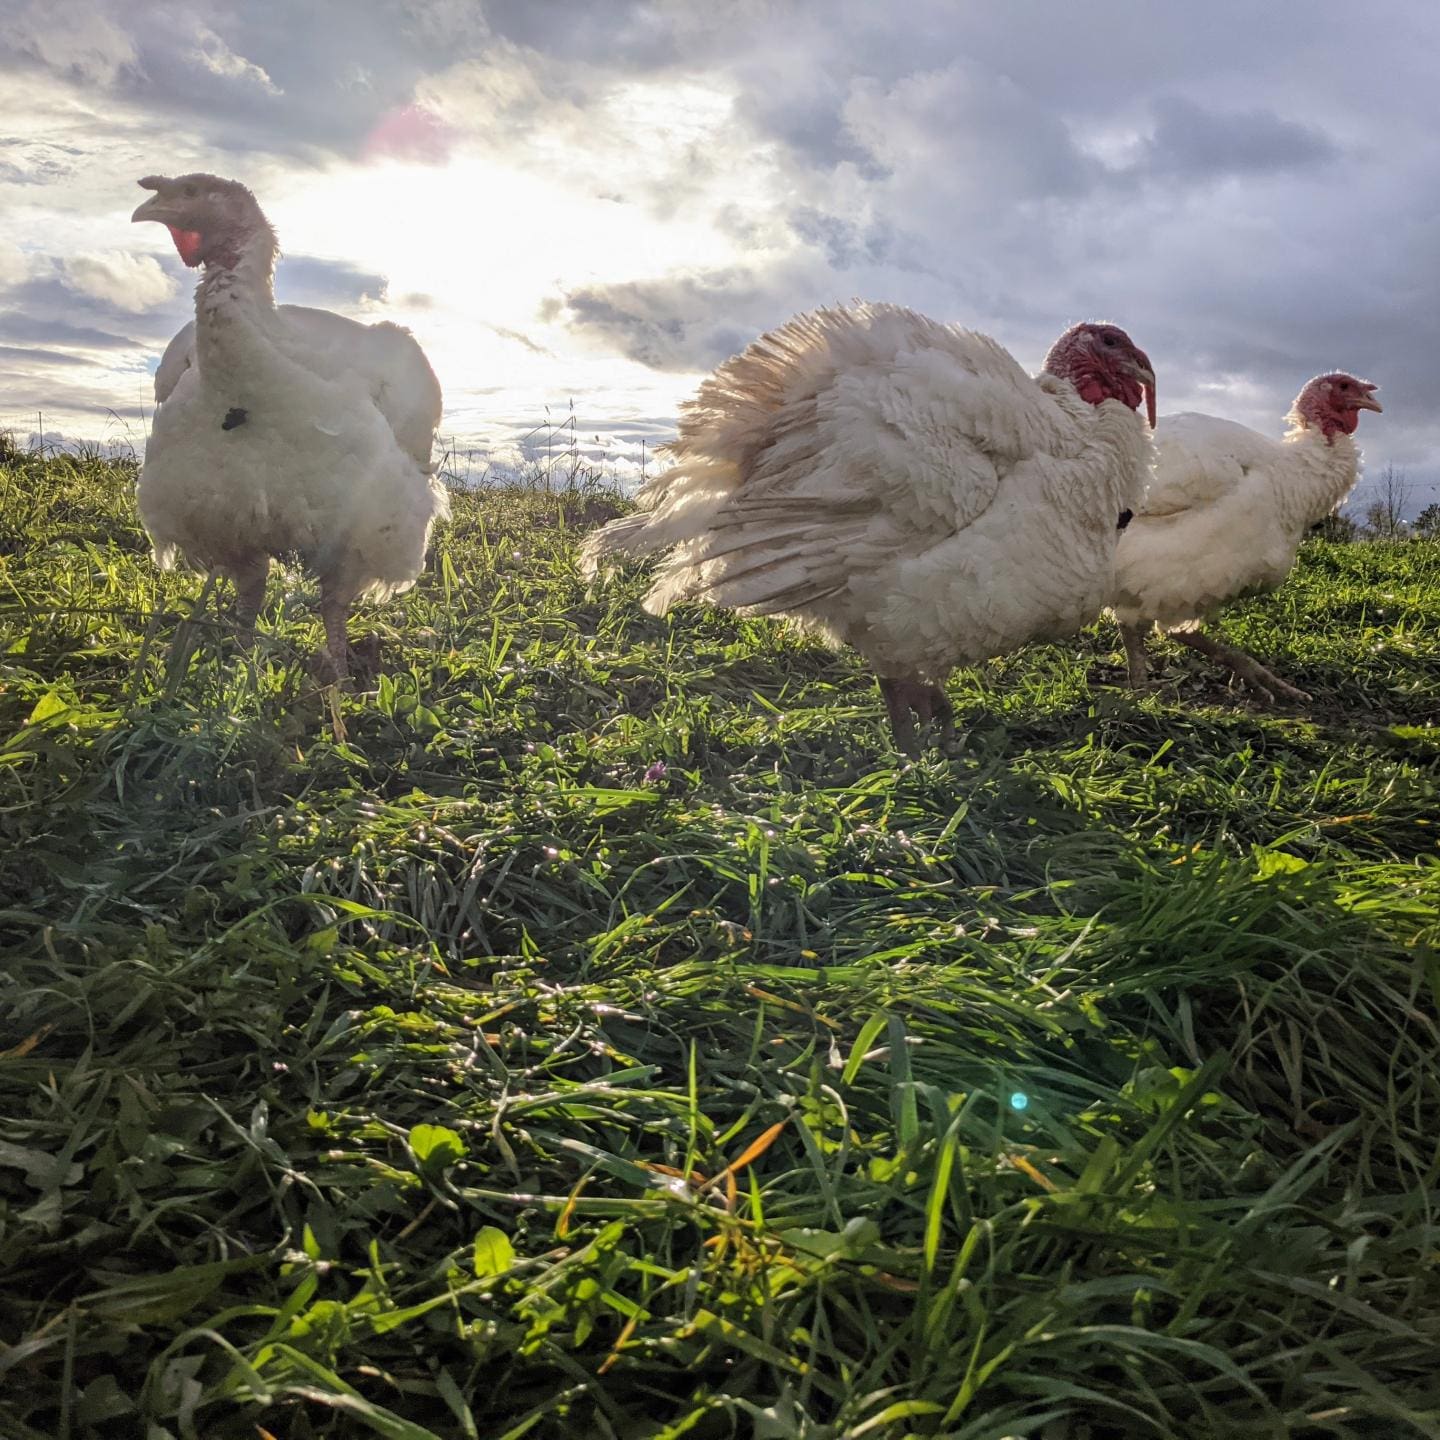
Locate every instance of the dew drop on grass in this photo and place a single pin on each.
(1019, 1100)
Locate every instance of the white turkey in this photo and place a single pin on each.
(1225, 515)
(283, 431)
(901, 485)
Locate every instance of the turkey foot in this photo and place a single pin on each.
(1249, 669)
(927, 703)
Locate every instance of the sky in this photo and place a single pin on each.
(580, 207)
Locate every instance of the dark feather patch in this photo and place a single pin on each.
(1126, 516)
(235, 416)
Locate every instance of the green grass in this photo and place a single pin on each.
(353, 1062)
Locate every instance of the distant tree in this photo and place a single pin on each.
(1339, 527)
(1385, 514)
(1427, 523)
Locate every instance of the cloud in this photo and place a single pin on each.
(445, 25)
(1250, 193)
(212, 54)
(684, 322)
(505, 333)
(500, 94)
(14, 265)
(270, 75)
(74, 38)
(17, 354)
(311, 280)
(845, 243)
(35, 161)
(132, 283)
(58, 392)
(974, 134)
(17, 325)
(1190, 142)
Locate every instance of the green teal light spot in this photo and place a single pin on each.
(1019, 1100)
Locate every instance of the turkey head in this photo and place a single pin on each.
(209, 219)
(1333, 402)
(1103, 363)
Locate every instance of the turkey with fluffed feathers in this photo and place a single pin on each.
(280, 435)
(903, 486)
(1225, 515)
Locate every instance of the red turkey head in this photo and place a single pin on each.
(207, 217)
(1103, 363)
(1334, 402)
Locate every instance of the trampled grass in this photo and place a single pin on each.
(433, 1065)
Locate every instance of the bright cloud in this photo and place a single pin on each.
(211, 53)
(127, 282)
(14, 266)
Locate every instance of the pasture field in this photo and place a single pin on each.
(595, 1030)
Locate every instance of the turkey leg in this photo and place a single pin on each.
(1245, 666)
(1135, 659)
(927, 703)
(335, 612)
(249, 596)
(944, 713)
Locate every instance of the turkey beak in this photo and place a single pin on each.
(1368, 402)
(154, 208)
(1144, 372)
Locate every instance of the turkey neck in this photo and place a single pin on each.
(1314, 477)
(1118, 439)
(1125, 439)
(234, 305)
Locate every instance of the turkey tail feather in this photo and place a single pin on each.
(621, 539)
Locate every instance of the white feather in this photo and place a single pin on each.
(1224, 516)
(385, 358)
(894, 483)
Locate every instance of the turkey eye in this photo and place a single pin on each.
(1110, 340)
(1344, 384)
